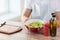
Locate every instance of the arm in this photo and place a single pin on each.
(58, 18)
(55, 6)
(25, 15)
(27, 12)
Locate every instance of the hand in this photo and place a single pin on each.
(24, 19)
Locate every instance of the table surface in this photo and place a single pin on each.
(26, 35)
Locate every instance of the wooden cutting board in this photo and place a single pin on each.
(9, 29)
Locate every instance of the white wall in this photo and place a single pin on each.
(3, 6)
(14, 6)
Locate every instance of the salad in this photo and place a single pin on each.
(35, 24)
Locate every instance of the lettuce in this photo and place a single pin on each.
(36, 24)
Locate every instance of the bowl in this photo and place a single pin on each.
(35, 30)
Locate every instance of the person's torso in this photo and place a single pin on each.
(41, 9)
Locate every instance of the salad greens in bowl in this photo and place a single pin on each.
(34, 25)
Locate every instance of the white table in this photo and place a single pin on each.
(25, 35)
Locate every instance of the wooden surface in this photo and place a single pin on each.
(26, 35)
(10, 29)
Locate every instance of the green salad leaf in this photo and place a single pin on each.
(36, 24)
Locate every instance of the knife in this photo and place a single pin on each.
(12, 23)
(2, 24)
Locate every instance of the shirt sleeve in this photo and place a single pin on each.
(55, 5)
(28, 4)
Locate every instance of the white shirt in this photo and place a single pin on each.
(42, 9)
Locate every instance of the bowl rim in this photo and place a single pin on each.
(32, 27)
(32, 20)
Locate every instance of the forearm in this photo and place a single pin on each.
(58, 23)
(27, 12)
(58, 18)
(25, 15)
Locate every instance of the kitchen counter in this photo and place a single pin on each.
(26, 35)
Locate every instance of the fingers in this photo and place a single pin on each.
(24, 19)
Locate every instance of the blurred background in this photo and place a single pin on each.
(10, 9)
